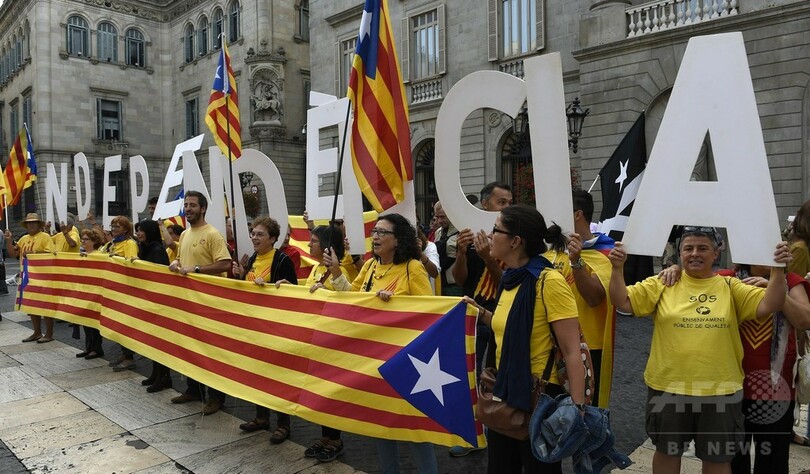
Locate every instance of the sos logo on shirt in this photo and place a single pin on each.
(703, 298)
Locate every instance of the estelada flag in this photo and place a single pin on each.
(222, 114)
(381, 136)
(320, 356)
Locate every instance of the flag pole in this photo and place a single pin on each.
(5, 208)
(594, 183)
(227, 79)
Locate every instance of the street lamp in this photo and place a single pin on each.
(521, 121)
(245, 179)
(576, 117)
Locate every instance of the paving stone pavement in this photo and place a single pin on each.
(63, 414)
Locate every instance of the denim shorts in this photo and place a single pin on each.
(715, 423)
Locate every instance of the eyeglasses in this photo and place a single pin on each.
(381, 232)
(496, 230)
(115, 226)
(258, 235)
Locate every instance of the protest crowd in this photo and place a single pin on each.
(720, 374)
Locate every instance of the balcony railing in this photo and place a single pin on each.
(513, 67)
(668, 14)
(424, 91)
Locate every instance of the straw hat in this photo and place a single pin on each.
(33, 217)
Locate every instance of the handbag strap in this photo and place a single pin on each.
(550, 364)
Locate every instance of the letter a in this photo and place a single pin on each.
(714, 92)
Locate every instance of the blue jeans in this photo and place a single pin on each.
(422, 453)
(808, 421)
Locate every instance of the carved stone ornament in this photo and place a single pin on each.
(267, 97)
(494, 119)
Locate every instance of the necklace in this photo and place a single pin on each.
(380, 277)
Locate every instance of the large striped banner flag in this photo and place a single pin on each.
(380, 139)
(21, 169)
(403, 369)
(222, 114)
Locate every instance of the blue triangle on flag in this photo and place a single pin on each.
(431, 374)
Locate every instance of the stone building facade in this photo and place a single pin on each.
(128, 77)
(619, 57)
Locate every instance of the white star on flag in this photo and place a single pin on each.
(622, 174)
(365, 25)
(431, 376)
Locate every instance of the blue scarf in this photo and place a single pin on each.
(515, 383)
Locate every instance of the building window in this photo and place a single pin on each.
(218, 24)
(516, 167)
(425, 45)
(425, 181)
(13, 123)
(136, 48)
(303, 20)
(519, 27)
(26, 113)
(189, 43)
(202, 36)
(516, 27)
(192, 118)
(233, 22)
(77, 37)
(119, 206)
(107, 42)
(109, 119)
(14, 62)
(345, 58)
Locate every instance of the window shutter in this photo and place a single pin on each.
(492, 24)
(100, 131)
(541, 24)
(442, 38)
(405, 50)
(338, 70)
(120, 121)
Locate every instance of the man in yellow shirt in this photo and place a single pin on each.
(586, 268)
(67, 239)
(35, 241)
(694, 372)
(201, 249)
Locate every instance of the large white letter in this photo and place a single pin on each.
(137, 167)
(547, 125)
(714, 92)
(174, 178)
(81, 171)
(56, 190)
(111, 164)
(543, 91)
(321, 162)
(263, 168)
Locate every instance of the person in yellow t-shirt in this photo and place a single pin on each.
(396, 269)
(694, 372)
(586, 268)
(532, 300)
(35, 241)
(266, 265)
(67, 239)
(201, 249)
(123, 243)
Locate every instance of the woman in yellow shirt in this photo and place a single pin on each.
(396, 269)
(35, 241)
(91, 241)
(533, 301)
(123, 244)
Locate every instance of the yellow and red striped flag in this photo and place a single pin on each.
(222, 115)
(21, 169)
(381, 138)
(339, 359)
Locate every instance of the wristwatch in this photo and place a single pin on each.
(578, 264)
(196, 269)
